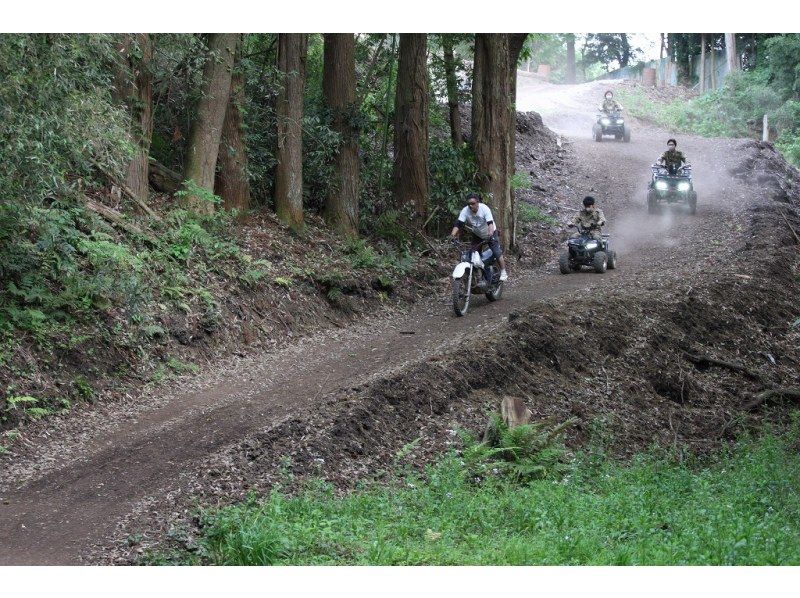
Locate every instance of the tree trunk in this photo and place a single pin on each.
(702, 62)
(339, 90)
(730, 52)
(232, 183)
(134, 86)
(411, 125)
(625, 50)
(570, 58)
(162, 178)
(204, 138)
(491, 125)
(713, 68)
(292, 51)
(515, 43)
(452, 90)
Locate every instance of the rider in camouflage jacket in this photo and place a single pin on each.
(672, 158)
(590, 218)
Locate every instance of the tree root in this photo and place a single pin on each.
(771, 394)
(731, 365)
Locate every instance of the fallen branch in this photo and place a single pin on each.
(117, 219)
(162, 178)
(731, 365)
(791, 228)
(127, 191)
(774, 393)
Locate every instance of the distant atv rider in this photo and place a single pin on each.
(589, 218)
(477, 218)
(610, 105)
(672, 159)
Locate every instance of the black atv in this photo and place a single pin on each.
(611, 124)
(585, 250)
(671, 185)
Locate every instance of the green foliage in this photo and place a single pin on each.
(740, 507)
(531, 213)
(524, 453)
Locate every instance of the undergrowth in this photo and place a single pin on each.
(740, 507)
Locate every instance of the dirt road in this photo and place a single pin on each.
(66, 495)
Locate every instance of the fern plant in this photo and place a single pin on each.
(523, 453)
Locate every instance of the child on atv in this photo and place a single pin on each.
(590, 218)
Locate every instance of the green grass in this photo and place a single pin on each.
(740, 508)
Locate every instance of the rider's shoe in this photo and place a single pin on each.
(503, 275)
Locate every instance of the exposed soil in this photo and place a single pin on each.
(624, 349)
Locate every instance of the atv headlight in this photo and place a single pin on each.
(591, 245)
(683, 186)
(605, 121)
(662, 185)
(620, 121)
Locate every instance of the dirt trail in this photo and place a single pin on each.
(56, 504)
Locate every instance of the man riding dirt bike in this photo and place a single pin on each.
(477, 217)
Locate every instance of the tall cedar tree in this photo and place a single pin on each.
(491, 125)
(515, 43)
(232, 183)
(292, 52)
(452, 89)
(411, 125)
(133, 85)
(204, 139)
(570, 58)
(339, 91)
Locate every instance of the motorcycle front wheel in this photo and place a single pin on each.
(461, 294)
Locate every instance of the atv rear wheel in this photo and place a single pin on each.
(461, 295)
(626, 133)
(600, 262)
(612, 260)
(563, 263)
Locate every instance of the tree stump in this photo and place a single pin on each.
(514, 412)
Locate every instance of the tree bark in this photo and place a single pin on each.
(570, 58)
(452, 90)
(515, 43)
(232, 182)
(492, 124)
(702, 62)
(204, 139)
(292, 51)
(339, 91)
(411, 125)
(134, 86)
(730, 52)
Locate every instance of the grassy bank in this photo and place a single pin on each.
(735, 110)
(741, 507)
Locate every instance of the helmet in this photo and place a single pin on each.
(588, 201)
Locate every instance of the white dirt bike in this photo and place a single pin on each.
(476, 272)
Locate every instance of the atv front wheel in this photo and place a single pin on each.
(563, 263)
(626, 133)
(652, 203)
(600, 262)
(612, 260)
(597, 132)
(461, 295)
(693, 203)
